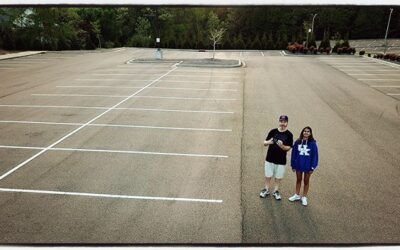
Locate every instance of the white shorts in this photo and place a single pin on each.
(272, 169)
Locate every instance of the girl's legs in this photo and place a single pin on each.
(306, 183)
(299, 177)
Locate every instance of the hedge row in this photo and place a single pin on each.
(388, 56)
(295, 47)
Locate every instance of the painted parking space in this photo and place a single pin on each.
(152, 114)
(380, 75)
(138, 139)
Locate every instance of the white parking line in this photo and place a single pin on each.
(384, 74)
(121, 74)
(143, 96)
(112, 151)
(119, 126)
(66, 57)
(348, 63)
(208, 72)
(22, 62)
(105, 108)
(37, 59)
(114, 196)
(385, 63)
(174, 81)
(79, 128)
(262, 53)
(364, 66)
(339, 59)
(192, 81)
(82, 95)
(384, 86)
(119, 80)
(371, 70)
(177, 71)
(49, 106)
(138, 65)
(176, 75)
(394, 80)
(124, 87)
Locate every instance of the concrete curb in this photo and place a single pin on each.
(201, 64)
(239, 64)
(391, 64)
(132, 61)
(20, 54)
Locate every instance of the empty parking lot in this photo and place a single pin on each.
(97, 150)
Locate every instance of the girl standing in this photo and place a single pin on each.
(304, 161)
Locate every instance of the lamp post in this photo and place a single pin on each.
(156, 24)
(309, 30)
(312, 25)
(387, 29)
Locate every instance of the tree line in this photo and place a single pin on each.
(62, 28)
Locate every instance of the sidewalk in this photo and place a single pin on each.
(20, 54)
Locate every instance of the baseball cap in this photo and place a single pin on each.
(284, 118)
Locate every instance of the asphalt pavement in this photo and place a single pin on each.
(94, 149)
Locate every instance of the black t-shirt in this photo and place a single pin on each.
(275, 154)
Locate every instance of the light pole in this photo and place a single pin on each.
(309, 30)
(387, 29)
(312, 25)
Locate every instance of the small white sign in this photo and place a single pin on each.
(157, 40)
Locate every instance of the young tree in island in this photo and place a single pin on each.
(216, 30)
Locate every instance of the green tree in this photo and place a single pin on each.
(142, 37)
(256, 44)
(239, 42)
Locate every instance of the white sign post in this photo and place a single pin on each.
(159, 53)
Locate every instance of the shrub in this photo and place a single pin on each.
(361, 53)
(325, 43)
(295, 47)
(108, 44)
(313, 50)
(389, 56)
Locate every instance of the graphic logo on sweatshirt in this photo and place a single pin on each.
(303, 150)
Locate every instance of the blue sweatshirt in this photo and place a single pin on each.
(304, 156)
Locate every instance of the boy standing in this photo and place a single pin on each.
(279, 142)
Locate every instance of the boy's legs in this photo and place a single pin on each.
(279, 173)
(269, 173)
(267, 182)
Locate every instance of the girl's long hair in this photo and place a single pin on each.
(310, 138)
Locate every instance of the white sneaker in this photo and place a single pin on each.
(304, 201)
(264, 193)
(295, 197)
(277, 195)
